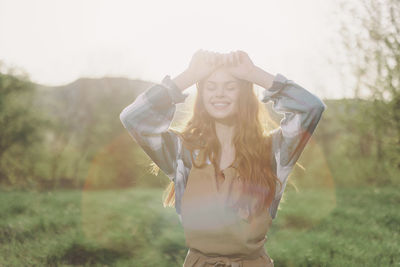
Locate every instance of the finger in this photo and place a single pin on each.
(225, 59)
(238, 57)
(235, 58)
(231, 59)
(202, 55)
(214, 57)
(211, 58)
(221, 59)
(207, 57)
(199, 52)
(242, 55)
(218, 58)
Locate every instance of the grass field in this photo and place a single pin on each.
(341, 227)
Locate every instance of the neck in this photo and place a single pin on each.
(225, 131)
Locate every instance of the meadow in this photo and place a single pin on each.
(314, 227)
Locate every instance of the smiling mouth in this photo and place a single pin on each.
(220, 105)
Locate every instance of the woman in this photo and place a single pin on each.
(227, 173)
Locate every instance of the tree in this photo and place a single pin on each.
(20, 124)
(370, 34)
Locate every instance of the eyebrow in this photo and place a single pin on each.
(224, 82)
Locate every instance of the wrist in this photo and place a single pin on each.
(184, 80)
(262, 78)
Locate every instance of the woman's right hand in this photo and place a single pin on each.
(203, 63)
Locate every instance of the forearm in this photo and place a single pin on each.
(261, 77)
(183, 80)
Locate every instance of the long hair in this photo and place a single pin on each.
(252, 142)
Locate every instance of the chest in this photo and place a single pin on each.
(210, 203)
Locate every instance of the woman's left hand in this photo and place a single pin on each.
(239, 65)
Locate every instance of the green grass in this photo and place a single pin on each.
(332, 227)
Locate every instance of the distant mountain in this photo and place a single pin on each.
(85, 93)
(79, 103)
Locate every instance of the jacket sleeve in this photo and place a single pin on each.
(148, 119)
(302, 111)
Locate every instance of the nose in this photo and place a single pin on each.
(220, 92)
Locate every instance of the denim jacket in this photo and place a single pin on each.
(149, 117)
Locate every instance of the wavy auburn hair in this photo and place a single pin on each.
(252, 143)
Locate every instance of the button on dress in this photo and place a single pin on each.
(218, 232)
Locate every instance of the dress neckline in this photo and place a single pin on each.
(228, 175)
(227, 172)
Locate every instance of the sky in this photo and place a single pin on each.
(57, 42)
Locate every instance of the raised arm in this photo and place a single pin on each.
(148, 119)
(302, 111)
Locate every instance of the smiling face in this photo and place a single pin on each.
(221, 95)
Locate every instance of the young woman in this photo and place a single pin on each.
(227, 173)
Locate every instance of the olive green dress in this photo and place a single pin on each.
(218, 233)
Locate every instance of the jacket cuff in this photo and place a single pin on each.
(176, 95)
(165, 94)
(278, 83)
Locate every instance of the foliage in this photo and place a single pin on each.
(21, 128)
(357, 227)
(370, 31)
